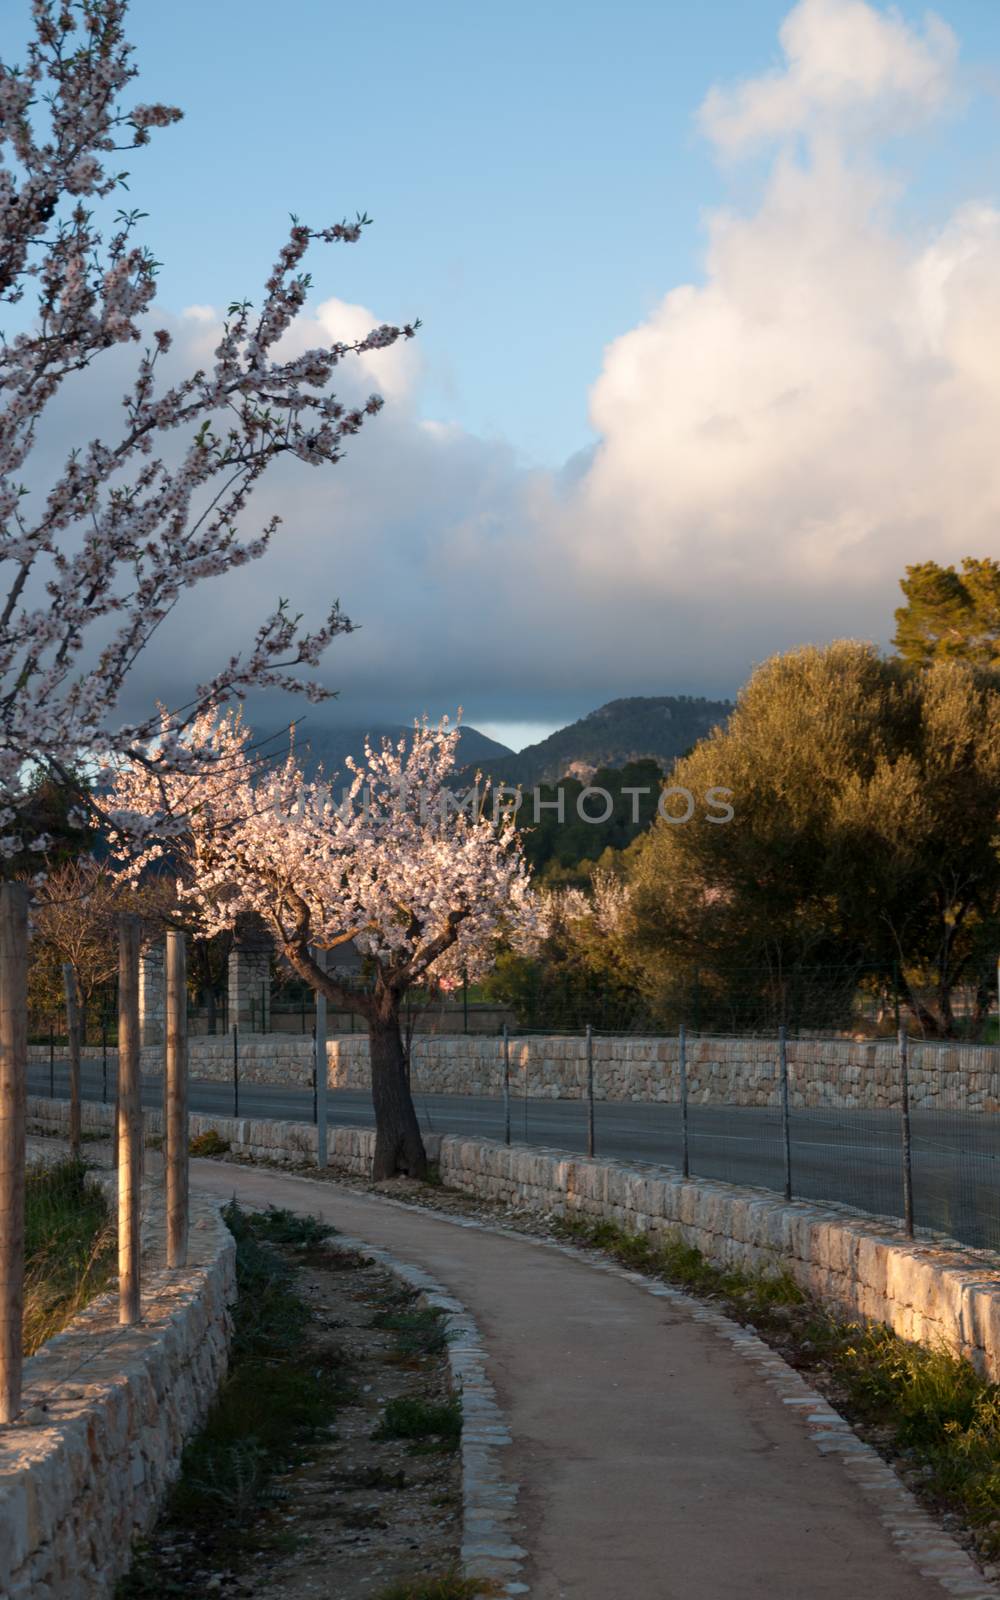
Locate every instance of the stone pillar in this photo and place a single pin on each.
(152, 995)
(250, 977)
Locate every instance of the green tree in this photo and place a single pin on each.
(950, 615)
(581, 972)
(562, 847)
(864, 842)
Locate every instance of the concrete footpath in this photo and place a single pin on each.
(653, 1460)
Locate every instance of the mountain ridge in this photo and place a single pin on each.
(634, 728)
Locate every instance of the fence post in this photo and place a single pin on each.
(785, 1127)
(506, 1085)
(129, 1120)
(52, 1060)
(590, 1090)
(319, 1058)
(236, 1070)
(683, 1075)
(904, 1084)
(73, 1040)
(465, 1004)
(175, 1108)
(13, 1088)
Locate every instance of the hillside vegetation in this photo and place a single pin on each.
(645, 727)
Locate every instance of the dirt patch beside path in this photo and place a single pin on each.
(366, 1509)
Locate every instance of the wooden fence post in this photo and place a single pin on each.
(319, 1047)
(175, 1106)
(73, 1036)
(13, 1077)
(129, 1120)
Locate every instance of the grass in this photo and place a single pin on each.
(668, 1256)
(928, 1409)
(278, 1397)
(419, 1332)
(208, 1144)
(943, 1417)
(70, 1250)
(450, 1586)
(429, 1425)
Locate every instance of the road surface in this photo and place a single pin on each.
(850, 1156)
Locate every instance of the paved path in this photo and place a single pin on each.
(653, 1461)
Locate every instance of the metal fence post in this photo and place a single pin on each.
(506, 1085)
(904, 1085)
(104, 1057)
(236, 1070)
(590, 1090)
(315, 1104)
(683, 1075)
(52, 1061)
(785, 1129)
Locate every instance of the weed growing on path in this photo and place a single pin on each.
(450, 1586)
(430, 1426)
(209, 1143)
(419, 1332)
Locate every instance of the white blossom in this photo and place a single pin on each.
(423, 890)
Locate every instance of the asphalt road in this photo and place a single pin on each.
(851, 1156)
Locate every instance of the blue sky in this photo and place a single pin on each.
(534, 170)
(697, 377)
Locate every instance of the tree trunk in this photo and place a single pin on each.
(981, 1008)
(398, 1145)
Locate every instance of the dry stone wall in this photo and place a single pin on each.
(107, 1411)
(742, 1072)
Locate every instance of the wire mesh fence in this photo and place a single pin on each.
(899, 1128)
(821, 1118)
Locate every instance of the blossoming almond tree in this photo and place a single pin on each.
(419, 878)
(99, 558)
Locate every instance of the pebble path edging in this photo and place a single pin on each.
(488, 1501)
(918, 1538)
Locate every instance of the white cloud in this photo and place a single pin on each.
(777, 442)
(820, 410)
(843, 58)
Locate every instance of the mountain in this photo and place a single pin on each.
(329, 747)
(658, 727)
